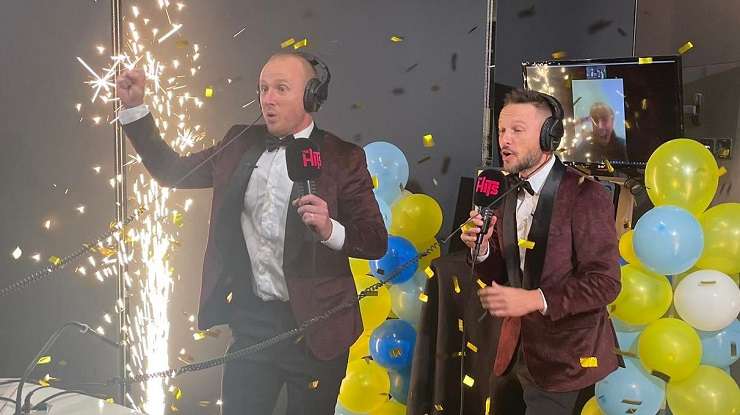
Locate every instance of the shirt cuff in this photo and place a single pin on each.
(544, 301)
(483, 256)
(336, 239)
(129, 115)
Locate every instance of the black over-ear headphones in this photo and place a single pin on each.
(317, 89)
(552, 129)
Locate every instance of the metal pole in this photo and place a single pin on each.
(487, 85)
(119, 154)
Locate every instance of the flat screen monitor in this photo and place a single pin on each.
(618, 109)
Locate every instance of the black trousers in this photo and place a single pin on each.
(251, 386)
(516, 393)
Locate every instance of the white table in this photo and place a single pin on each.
(62, 405)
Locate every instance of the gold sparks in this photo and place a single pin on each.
(17, 252)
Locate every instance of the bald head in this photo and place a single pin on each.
(281, 88)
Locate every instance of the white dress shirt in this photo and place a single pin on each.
(265, 213)
(526, 205)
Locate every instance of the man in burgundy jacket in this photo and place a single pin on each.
(257, 272)
(553, 266)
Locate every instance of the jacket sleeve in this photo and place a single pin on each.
(365, 233)
(170, 169)
(595, 281)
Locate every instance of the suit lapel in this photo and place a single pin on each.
(538, 232)
(510, 246)
(295, 231)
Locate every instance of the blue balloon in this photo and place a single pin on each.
(718, 346)
(400, 385)
(400, 251)
(627, 340)
(630, 384)
(340, 410)
(392, 344)
(385, 212)
(405, 301)
(387, 163)
(668, 240)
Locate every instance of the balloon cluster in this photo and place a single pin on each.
(377, 378)
(684, 255)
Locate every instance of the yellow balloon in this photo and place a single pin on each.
(427, 260)
(627, 251)
(365, 387)
(592, 407)
(416, 217)
(359, 266)
(682, 173)
(721, 226)
(670, 347)
(390, 408)
(374, 309)
(644, 297)
(360, 348)
(708, 391)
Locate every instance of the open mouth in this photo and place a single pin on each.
(507, 154)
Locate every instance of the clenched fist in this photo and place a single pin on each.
(471, 232)
(131, 86)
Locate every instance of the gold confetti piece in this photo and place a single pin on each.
(429, 272)
(314, 384)
(44, 360)
(722, 171)
(17, 253)
(301, 44)
(199, 335)
(589, 362)
(488, 405)
(229, 297)
(627, 124)
(685, 48)
(287, 43)
(55, 260)
(106, 252)
(460, 325)
(397, 39)
(423, 298)
(186, 358)
(178, 218)
(173, 408)
(609, 166)
(178, 393)
(44, 383)
(523, 243)
(643, 104)
(439, 407)
(203, 404)
(47, 224)
(560, 54)
(481, 283)
(375, 182)
(36, 257)
(644, 61)
(182, 43)
(472, 347)
(209, 92)
(468, 381)
(456, 284)
(428, 140)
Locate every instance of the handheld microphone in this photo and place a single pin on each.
(303, 159)
(489, 185)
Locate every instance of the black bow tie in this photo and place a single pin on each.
(523, 184)
(272, 143)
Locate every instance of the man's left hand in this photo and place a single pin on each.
(503, 301)
(314, 212)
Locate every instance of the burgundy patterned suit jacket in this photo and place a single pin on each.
(573, 345)
(344, 184)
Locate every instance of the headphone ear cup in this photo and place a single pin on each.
(556, 134)
(311, 102)
(545, 136)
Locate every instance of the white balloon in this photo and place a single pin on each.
(708, 300)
